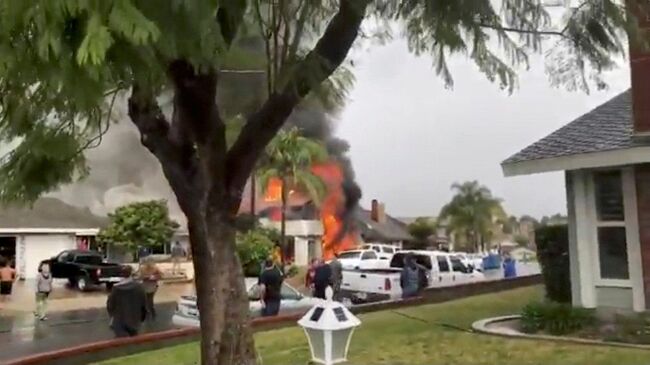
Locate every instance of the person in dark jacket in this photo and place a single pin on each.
(322, 279)
(410, 279)
(126, 305)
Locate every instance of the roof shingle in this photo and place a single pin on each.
(607, 127)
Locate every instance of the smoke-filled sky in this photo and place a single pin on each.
(411, 138)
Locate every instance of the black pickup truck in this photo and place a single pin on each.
(83, 269)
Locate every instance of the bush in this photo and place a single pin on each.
(292, 271)
(553, 256)
(253, 247)
(554, 318)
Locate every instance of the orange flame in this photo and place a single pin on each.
(274, 190)
(332, 175)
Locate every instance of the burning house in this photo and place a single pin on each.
(312, 231)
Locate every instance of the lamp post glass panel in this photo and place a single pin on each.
(329, 326)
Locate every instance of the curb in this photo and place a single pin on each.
(481, 326)
(266, 323)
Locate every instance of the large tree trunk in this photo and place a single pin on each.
(208, 180)
(226, 335)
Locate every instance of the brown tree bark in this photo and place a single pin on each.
(208, 180)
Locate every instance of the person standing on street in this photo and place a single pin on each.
(309, 276)
(7, 278)
(126, 305)
(270, 287)
(337, 276)
(43, 290)
(410, 278)
(322, 279)
(178, 255)
(150, 275)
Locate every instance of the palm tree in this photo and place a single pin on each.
(473, 213)
(289, 158)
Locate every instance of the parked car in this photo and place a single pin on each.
(383, 250)
(363, 259)
(187, 312)
(83, 269)
(442, 269)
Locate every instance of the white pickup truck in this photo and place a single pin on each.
(442, 269)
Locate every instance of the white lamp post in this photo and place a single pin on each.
(329, 327)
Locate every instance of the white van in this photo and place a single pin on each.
(384, 251)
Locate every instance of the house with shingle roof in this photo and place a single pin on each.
(30, 234)
(605, 155)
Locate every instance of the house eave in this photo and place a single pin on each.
(620, 157)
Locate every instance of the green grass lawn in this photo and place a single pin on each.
(391, 338)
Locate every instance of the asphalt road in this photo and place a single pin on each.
(23, 335)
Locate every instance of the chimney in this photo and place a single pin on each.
(381, 213)
(374, 210)
(640, 73)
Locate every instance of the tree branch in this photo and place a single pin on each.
(328, 54)
(524, 31)
(179, 167)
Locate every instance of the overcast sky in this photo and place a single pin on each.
(411, 138)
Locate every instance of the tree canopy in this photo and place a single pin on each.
(139, 224)
(63, 63)
(472, 214)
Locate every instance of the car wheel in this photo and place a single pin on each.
(82, 283)
(109, 286)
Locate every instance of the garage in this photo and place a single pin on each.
(38, 232)
(39, 247)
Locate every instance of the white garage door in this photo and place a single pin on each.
(41, 247)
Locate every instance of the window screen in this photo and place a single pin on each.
(609, 196)
(612, 253)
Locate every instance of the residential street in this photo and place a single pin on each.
(22, 335)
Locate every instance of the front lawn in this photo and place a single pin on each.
(430, 334)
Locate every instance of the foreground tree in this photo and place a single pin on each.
(289, 159)
(64, 63)
(473, 213)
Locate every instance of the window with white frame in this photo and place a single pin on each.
(610, 225)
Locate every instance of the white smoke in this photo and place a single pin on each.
(122, 171)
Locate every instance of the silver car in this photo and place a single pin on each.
(187, 313)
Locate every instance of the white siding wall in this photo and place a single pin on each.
(33, 248)
(301, 251)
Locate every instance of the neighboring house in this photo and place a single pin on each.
(304, 239)
(440, 239)
(376, 226)
(29, 235)
(606, 158)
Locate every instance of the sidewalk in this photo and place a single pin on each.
(66, 299)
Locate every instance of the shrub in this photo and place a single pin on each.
(553, 256)
(292, 271)
(554, 318)
(253, 247)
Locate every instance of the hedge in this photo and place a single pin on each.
(553, 255)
